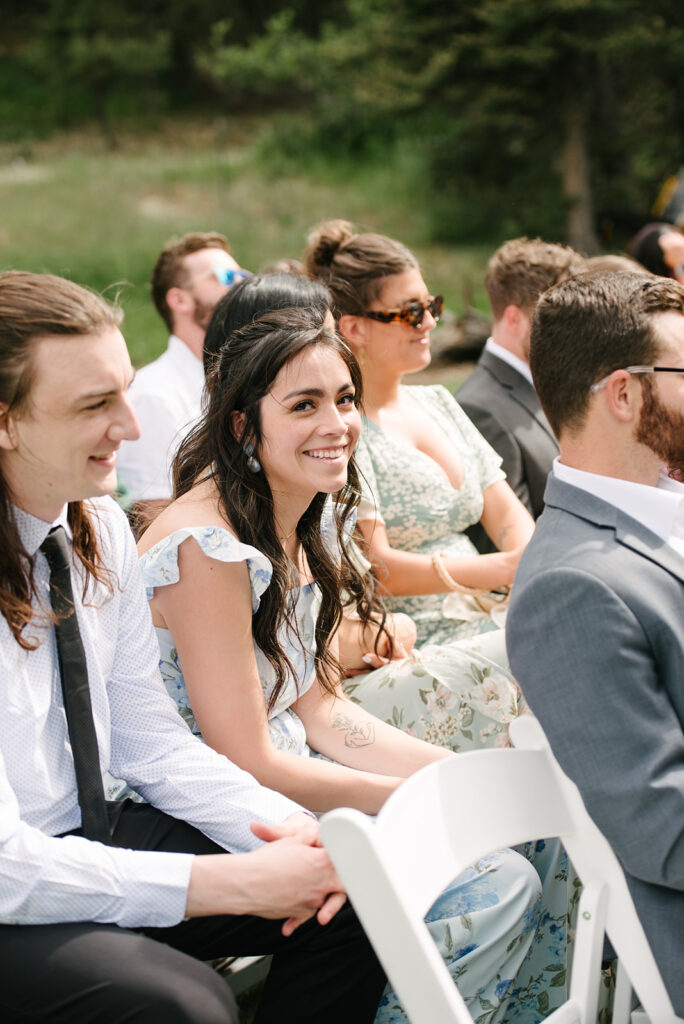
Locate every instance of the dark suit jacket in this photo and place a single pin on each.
(595, 635)
(504, 407)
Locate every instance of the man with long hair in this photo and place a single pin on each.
(108, 910)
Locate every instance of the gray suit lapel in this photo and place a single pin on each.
(628, 531)
(633, 535)
(520, 389)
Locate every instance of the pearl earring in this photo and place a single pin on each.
(253, 463)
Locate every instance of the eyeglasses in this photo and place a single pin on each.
(226, 276)
(411, 313)
(635, 369)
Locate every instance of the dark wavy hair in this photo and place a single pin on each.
(247, 366)
(35, 307)
(262, 293)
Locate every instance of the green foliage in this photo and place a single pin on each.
(500, 116)
(281, 57)
(489, 92)
(73, 208)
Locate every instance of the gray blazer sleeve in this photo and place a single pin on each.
(592, 676)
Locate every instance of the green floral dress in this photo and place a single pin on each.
(408, 492)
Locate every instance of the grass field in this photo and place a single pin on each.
(71, 207)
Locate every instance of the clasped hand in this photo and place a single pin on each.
(314, 887)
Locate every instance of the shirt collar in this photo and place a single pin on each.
(33, 531)
(507, 357)
(660, 509)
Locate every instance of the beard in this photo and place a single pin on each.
(202, 314)
(662, 430)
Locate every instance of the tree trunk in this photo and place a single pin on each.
(579, 224)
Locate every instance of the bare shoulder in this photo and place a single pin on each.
(198, 507)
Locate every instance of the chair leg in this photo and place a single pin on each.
(586, 967)
(622, 1003)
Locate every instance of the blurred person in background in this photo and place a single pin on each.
(190, 276)
(659, 248)
(499, 395)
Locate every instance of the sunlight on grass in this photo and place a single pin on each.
(69, 207)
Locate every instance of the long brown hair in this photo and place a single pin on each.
(34, 307)
(244, 372)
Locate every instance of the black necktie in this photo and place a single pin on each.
(74, 674)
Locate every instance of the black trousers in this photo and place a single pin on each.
(85, 972)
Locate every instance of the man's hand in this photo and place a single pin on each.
(303, 829)
(298, 826)
(290, 877)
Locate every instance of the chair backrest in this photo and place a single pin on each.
(595, 862)
(433, 827)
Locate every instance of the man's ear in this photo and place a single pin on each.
(354, 330)
(517, 321)
(8, 439)
(623, 396)
(179, 300)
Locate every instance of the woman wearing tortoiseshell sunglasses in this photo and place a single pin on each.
(429, 474)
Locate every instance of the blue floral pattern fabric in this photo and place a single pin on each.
(486, 923)
(408, 492)
(160, 567)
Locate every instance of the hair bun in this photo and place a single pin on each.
(324, 242)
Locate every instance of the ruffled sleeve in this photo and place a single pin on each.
(329, 534)
(159, 565)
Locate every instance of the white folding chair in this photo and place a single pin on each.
(443, 819)
(596, 864)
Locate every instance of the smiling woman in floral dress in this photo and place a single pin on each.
(244, 573)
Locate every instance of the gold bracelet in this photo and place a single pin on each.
(443, 573)
(485, 598)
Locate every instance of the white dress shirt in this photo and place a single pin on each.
(516, 362)
(167, 398)
(141, 739)
(660, 509)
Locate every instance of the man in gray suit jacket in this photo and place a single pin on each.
(499, 396)
(596, 626)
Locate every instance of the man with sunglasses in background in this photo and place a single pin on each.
(594, 630)
(190, 276)
(499, 396)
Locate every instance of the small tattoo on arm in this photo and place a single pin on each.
(502, 536)
(359, 734)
